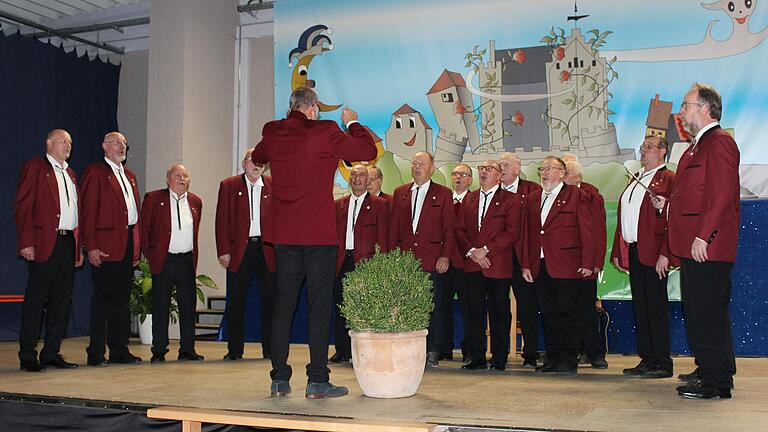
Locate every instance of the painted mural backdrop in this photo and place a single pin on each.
(469, 80)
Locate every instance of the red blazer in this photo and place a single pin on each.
(524, 189)
(651, 225)
(103, 214)
(303, 156)
(457, 259)
(435, 236)
(156, 226)
(385, 196)
(371, 228)
(597, 204)
(567, 237)
(37, 207)
(704, 201)
(499, 231)
(233, 220)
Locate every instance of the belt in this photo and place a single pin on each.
(63, 232)
(254, 238)
(180, 254)
(349, 252)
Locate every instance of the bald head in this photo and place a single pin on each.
(510, 167)
(58, 144)
(177, 179)
(115, 147)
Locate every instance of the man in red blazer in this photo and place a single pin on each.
(422, 221)
(455, 281)
(525, 293)
(243, 221)
(486, 229)
(560, 253)
(639, 250)
(108, 218)
(704, 233)
(45, 212)
(594, 352)
(362, 222)
(303, 153)
(170, 220)
(375, 179)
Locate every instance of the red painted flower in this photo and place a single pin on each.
(559, 53)
(565, 76)
(519, 56)
(518, 118)
(458, 108)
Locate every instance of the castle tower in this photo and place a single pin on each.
(408, 133)
(451, 103)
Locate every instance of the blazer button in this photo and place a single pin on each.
(415, 244)
(58, 215)
(541, 232)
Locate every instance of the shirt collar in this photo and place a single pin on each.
(425, 185)
(555, 191)
(460, 196)
(490, 191)
(176, 197)
(113, 165)
(514, 184)
(259, 181)
(358, 198)
(55, 163)
(643, 172)
(704, 129)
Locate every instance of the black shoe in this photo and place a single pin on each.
(280, 388)
(339, 358)
(98, 362)
(638, 370)
(599, 363)
(157, 358)
(564, 369)
(475, 365)
(689, 377)
(31, 366)
(324, 390)
(529, 363)
(546, 368)
(266, 355)
(656, 373)
(230, 356)
(58, 362)
(499, 366)
(193, 356)
(127, 358)
(448, 355)
(432, 361)
(703, 391)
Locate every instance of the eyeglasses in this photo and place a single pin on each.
(121, 142)
(460, 174)
(418, 164)
(548, 169)
(648, 147)
(685, 105)
(487, 168)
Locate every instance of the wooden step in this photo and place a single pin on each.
(210, 311)
(202, 326)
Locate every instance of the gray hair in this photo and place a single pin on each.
(302, 98)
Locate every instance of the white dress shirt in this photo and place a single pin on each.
(125, 186)
(631, 201)
(484, 204)
(353, 211)
(459, 197)
(417, 202)
(254, 204)
(513, 187)
(67, 195)
(181, 214)
(547, 199)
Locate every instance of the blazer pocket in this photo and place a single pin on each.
(691, 214)
(698, 165)
(569, 248)
(436, 242)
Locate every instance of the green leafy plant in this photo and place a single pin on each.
(388, 293)
(141, 292)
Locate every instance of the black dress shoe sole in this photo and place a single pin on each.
(59, 365)
(702, 395)
(32, 368)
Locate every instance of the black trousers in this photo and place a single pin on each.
(706, 293)
(253, 264)
(560, 316)
(455, 285)
(494, 293)
(651, 305)
(340, 330)
(178, 271)
(318, 265)
(438, 317)
(527, 310)
(589, 333)
(49, 295)
(110, 311)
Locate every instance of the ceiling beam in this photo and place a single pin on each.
(114, 25)
(63, 35)
(252, 7)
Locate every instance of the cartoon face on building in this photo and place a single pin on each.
(408, 133)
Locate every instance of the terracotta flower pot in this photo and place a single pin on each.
(389, 365)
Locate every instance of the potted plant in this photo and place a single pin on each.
(141, 298)
(387, 301)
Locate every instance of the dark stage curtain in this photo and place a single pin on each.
(42, 88)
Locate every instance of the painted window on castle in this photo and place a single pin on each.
(447, 97)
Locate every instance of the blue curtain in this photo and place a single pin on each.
(42, 88)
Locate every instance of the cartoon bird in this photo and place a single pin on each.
(313, 42)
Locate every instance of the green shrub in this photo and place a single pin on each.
(387, 293)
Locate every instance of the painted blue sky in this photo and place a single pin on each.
(389, 53)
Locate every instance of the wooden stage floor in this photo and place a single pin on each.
(595, 400)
